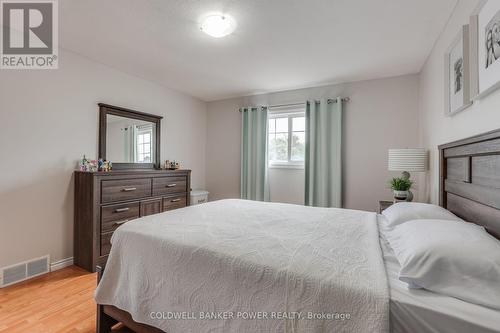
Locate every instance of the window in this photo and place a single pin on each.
(144, 144)
(287, 139)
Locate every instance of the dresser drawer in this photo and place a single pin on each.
(126, 189)
(151, 207)
(115, 215)
(174, 202)
(168, 185)
(106, 243)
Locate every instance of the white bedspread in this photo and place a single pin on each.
(236, 259)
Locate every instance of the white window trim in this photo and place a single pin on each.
(286, 165)
(290, 114)
(141, 130)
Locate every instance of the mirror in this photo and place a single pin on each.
(128, 138)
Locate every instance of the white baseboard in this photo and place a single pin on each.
(56, 265)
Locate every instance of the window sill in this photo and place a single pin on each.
(286, 166)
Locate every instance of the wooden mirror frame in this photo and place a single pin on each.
(105, 110)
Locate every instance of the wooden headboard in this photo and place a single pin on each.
(470, 180)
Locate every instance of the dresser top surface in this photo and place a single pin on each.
(135, 172)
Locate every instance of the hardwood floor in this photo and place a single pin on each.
(59, 302)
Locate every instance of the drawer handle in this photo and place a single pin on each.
(121, 222)
(129, 189)
(175, 200)
(171, 185)
(121, 210)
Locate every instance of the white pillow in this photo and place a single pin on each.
(454, 258)
(406, 211)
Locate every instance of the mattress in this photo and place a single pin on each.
(419, 310)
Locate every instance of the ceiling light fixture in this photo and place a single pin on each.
(218, 25)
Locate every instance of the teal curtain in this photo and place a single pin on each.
(323, 153)
(254, 182)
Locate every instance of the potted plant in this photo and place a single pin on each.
(401, 187)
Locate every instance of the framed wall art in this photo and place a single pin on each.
(457, 74)
(485, 48)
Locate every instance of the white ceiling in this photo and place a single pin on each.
(278, 44)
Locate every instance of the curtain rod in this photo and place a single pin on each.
(329, 101)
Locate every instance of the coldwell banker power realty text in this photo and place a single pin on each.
(29, 37)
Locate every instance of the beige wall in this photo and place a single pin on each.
(436, 128)
(382, 114)
(48, 119)
(287, 185)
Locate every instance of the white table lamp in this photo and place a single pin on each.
(406, 160)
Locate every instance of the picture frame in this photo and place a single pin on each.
(485, 49)
(457, 74)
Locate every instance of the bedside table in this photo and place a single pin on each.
(383, 205)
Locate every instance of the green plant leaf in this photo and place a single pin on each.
(400, 184)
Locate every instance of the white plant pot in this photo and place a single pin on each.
(401, 195)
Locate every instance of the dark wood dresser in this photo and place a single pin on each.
(106, 200)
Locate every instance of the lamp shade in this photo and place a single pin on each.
(412, 159)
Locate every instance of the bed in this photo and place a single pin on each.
(293, 270)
